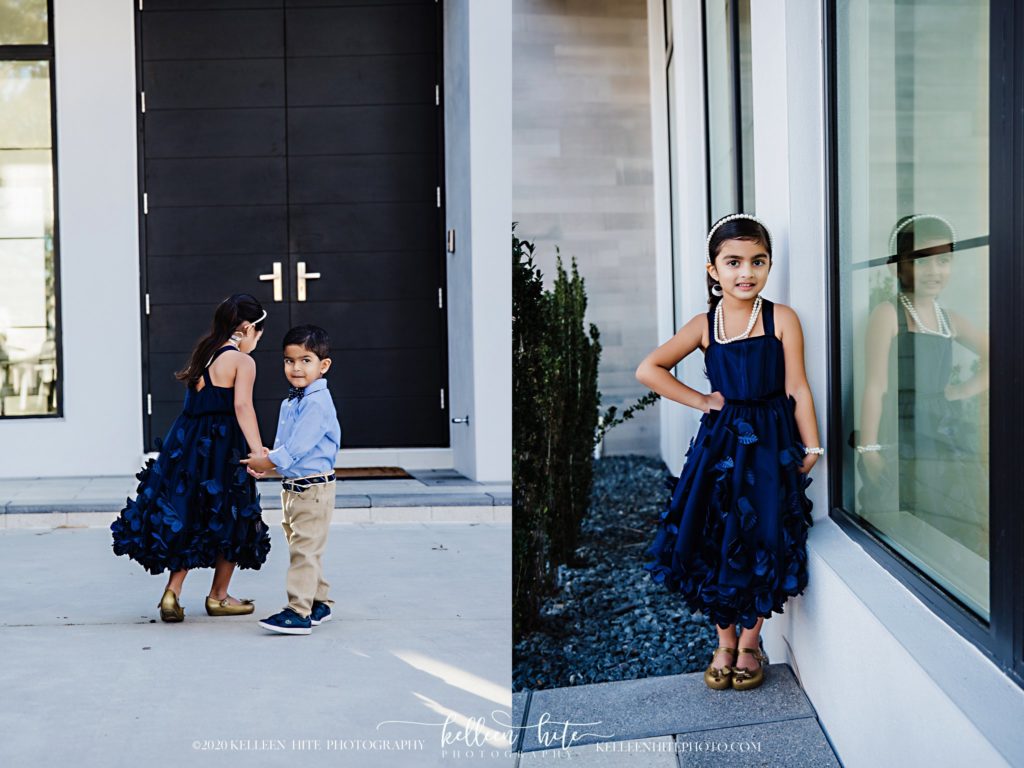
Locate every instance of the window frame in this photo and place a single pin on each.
(1001, 639)
(45, 52)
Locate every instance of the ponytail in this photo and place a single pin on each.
(231, 313)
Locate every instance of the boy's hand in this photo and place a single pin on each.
(259, 462)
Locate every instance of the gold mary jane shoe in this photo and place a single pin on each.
(745, 679)
(215, 607)
(170, 609)
(715, 678)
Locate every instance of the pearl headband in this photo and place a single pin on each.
(899, 228)
(733, 217)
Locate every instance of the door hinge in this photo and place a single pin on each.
(143, 95)
(145, 203)
(149, 404)
(147, 303)
(440, 298)
(438, 197)
(442, 398)
(437, 95)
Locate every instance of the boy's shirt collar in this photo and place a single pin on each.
(316, 386)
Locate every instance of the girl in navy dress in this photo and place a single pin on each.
(732, 538)
(196, 506)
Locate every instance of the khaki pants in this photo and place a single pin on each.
(307, 517)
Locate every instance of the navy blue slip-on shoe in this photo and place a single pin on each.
(287, 622)
(321, 613)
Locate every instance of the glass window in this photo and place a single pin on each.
(28, 296)
(23, 22)
(912, 178)
(728, 76)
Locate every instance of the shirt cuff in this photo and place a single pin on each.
(281, 458)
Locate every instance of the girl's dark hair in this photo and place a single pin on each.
(735, 229)
(311, 338)
(231, 313)
(913, 232)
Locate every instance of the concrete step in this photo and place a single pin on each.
(673, 720)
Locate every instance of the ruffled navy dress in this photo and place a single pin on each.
(196, 500)
(732, 537)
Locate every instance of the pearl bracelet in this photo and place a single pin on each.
(869, 448)
(819, 451)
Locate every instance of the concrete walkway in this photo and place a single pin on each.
(672, 722)
(421, 635)
(431, 495)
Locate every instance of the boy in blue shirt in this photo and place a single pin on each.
(308, 437)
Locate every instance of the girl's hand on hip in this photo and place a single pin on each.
(715, 401)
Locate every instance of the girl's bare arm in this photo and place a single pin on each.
(655, 371)
(245, 379)
(877, 341)
(975, 340)
(792, 337)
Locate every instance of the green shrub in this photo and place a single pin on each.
(555, 414)
(555, 417)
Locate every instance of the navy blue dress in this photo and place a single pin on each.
(196, 500)
(732, 537)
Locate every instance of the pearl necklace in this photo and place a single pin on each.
(720, 322)
(944, 329)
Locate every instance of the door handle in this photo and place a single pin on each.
(303, 276)
(276, 277)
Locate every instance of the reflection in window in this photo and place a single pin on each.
(23, 22)
(28, 299)
(913, 215)
(728, 72)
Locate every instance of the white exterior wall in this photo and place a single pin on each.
(101, 430)
(892, 683)
(478, 135)
(97, 186)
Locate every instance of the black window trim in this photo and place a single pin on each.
(45, 52)
(1001, 639)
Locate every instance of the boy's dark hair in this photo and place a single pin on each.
(312, 338)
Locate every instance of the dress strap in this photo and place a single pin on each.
(217, 354)
(711, 328)
(768, 314)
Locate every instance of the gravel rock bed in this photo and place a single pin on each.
(608, 620)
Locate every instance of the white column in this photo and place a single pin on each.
(478, 138)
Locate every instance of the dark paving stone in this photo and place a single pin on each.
(63, 505)
(791, 743)
(519, 708)
(641, 753)
(440, 477)
(430, 500)
(659, 706)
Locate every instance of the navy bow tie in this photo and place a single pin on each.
(295, 392)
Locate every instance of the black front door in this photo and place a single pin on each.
(279, 141)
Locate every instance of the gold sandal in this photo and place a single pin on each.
(718, 678)
(745, 679)
(215, 607)
(170, 608)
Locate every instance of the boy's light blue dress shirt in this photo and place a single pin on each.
(308, 433)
